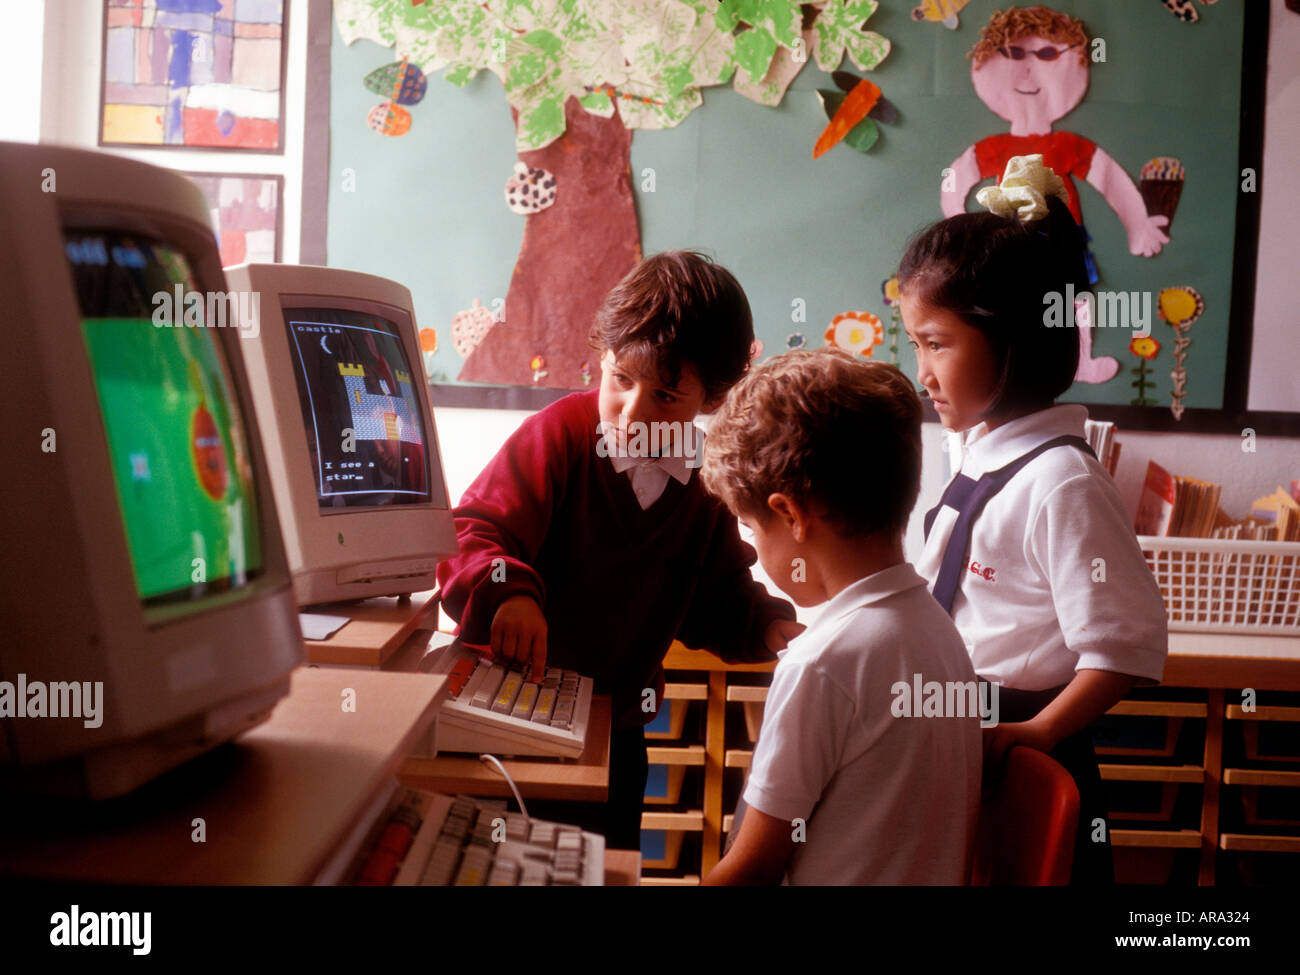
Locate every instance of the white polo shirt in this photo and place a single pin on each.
(1055, 579)
(884, 799)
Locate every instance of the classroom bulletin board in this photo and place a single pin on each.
(814, 241)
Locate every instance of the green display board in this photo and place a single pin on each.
(812, 239)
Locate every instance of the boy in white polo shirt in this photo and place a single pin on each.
(852, 780)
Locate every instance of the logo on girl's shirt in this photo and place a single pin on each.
(984, 572)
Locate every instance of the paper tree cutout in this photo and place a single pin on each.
(578, 75)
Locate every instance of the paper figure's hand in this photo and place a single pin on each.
(1146, 239)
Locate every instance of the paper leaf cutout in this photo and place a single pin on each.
(839, 30)
(831, 101)
(885, 111)
(389, 118)
(863, 135)
(402, 82)
(529, 190)
(468, 328)
(657, 56)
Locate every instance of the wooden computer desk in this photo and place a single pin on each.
(378, 628)
(276, 804)
(286, 803)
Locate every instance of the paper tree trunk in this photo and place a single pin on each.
(573, 253)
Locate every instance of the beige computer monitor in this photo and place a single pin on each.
(344, 410)
(144, 577)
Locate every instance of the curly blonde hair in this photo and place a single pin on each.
(1013, 24)
(839, 435)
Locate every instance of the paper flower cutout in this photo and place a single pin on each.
(1026, 185)
(795, 340)
(529, 190)
(1146, 348)
(855, 331)
(428, 340)
(889, 288)
(1180, 306)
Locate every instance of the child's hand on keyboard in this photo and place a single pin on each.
(519, 634)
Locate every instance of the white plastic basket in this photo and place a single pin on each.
(1227, 585)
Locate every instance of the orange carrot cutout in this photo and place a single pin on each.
(857, 103)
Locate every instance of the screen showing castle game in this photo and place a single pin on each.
(365, 431)
(175, 436)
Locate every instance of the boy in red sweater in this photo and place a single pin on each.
(588, 542)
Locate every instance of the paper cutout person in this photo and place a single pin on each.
(1030, 68)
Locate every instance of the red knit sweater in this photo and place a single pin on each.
(616, 583)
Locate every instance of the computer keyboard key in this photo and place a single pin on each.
(516, 828)
(474, 866)
(568, 839)
(545, 708)
(505, 873)
(488, 689)
(509, 690)
(543, 834)
(523, 708)
(533, 874)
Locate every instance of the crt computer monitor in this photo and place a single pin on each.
(145, 596)
(343, 405)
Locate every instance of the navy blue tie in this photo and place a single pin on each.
(969, 497)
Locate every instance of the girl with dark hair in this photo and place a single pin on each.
(1030, 548)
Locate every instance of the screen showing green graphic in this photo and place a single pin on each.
(179, 452)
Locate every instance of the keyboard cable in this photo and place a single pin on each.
(493, 760)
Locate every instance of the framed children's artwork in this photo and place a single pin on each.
(246, 215)
(509, 173)
(194, 74)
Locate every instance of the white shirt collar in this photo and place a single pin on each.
(870, 589)
(986, 450)
(676, 464)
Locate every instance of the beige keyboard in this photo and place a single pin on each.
(494, 708)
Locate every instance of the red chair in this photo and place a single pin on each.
(1027, 824)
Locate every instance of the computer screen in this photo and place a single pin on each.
(177, 442)
(365, 431)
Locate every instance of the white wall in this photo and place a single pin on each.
(1273, 381)
(20, 72)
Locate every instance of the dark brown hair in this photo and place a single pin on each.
(674, 309)
(997, 275)
(838, 434)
